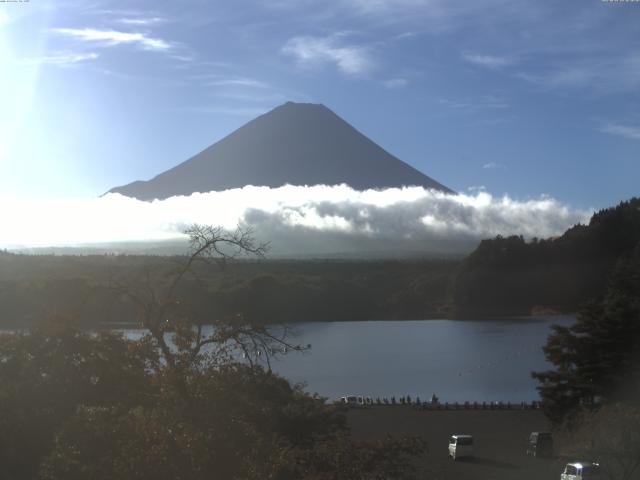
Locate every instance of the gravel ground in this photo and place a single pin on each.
(500, 440)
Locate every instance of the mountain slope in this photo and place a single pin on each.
(297, 144)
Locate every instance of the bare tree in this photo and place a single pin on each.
(182, 331)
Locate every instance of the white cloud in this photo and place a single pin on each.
(114, 37)
(404, 35)
(568, 77)
(183, 58)
(296, 220)
(238, 82)
(627, 131)
(386, 5)
(141, 21)
(4, 18)
(488, 61)
(618, 72)
(474, 104)
(349, 59)
(493, 165)
(63, 58)
(396, 83)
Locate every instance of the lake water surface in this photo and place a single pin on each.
(487, 360)
(458, 360)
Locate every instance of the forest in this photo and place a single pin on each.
(511, 275)
(503, 276)
(269, 291)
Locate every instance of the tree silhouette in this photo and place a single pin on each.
(172, 304)
(597, 359)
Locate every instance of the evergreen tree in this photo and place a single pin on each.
(597, 359)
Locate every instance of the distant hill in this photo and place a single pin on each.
(508, 275)
(296, 144)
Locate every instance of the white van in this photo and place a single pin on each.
(350, 400)
(582, 470)
(356, 400)
(461, 446)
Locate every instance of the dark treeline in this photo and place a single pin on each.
(503, 276)
(510, 275)
(597, 359)
(89, 288)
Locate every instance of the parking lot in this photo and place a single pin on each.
(500, 440)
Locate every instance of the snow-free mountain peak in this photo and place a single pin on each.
(296, 144)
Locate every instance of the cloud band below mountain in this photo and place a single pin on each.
(318, 220)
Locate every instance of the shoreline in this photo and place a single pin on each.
(501, 318)
(479, 318)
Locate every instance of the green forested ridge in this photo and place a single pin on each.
(267, 291)
(511, 275)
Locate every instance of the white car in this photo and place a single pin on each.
(356, 400)
(581, 470)
(351, 400)
(461, 446)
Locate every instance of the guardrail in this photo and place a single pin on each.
(420, 405)
(480, 406)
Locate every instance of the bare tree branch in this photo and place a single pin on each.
(163, 310)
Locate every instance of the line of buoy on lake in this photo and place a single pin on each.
(495, 363)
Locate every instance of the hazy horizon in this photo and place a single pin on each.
(297, 220)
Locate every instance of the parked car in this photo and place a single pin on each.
(580, 471)
(354, 400)
(350, 400)
(540, 444)
(461, 446)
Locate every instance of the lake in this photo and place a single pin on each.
(455, 359)
(458, 360)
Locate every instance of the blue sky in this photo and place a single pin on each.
(525, 98)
